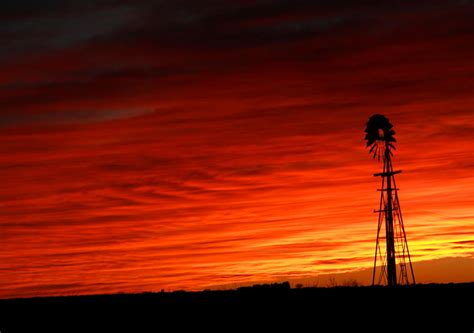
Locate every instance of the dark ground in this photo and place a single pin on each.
(442, 307)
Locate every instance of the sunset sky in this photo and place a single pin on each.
(148, 145)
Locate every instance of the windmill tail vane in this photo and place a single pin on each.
(392, 261)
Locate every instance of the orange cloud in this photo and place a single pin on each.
(130, 166)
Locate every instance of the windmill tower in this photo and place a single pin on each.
(395, 266)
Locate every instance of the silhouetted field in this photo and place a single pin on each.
(266, 306)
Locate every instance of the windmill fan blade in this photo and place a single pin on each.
(379, 129)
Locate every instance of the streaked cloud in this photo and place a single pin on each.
(184, 146)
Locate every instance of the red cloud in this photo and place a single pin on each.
(156, 166)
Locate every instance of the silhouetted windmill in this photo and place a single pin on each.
(380, 138)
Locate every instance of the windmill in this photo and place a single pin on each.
(380, 141)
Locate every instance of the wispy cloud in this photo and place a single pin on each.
(184, 147)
